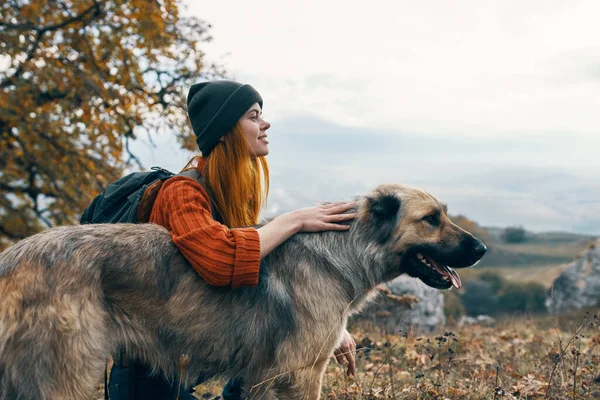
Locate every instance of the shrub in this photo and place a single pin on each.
(453, 307)
(522, 298)
(491, 295)
(479, 298)
(514, 234)
(493, 279)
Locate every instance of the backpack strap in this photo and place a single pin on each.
(151, 192)
(148, 198)
(195, 175)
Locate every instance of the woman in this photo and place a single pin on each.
(209, 222)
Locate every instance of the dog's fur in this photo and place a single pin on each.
(71, 296)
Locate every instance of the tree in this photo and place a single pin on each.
(514, 234)
(80, 79)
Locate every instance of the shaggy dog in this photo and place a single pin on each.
(71, 296)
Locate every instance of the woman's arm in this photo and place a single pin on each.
(221, 256)
(312, 219)
(224, 256)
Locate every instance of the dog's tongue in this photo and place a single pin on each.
(445, 270)
(454, 277)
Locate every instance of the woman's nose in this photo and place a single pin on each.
(265, 126)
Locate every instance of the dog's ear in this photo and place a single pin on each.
(384, 210)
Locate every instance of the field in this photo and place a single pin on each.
(520, 358)
(535, 357)
(540, 258)
(542, 274)
(536, 250)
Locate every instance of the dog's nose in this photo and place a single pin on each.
(479, 248)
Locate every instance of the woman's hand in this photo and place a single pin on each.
(347, 350)
(324, 217)
(311, 219)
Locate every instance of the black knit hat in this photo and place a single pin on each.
(215, 107)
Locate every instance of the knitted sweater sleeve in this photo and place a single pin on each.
(222, 256)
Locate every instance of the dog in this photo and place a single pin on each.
(70, 296)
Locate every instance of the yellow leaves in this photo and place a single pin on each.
(471, 226)
(66, 113)
(530, 387)
(30, 11)
(454, 393)
(511, 362)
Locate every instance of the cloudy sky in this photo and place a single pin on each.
(492, 106)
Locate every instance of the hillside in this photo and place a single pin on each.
(540, 257)
(537, 249)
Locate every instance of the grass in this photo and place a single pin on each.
(568, 251)
(542, 274)
(538, 249)
(538, 260)
(520, 358)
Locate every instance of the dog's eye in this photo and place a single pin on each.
(433, 219)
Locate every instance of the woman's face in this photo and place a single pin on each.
(255, 130)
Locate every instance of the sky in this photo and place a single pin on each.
(494, 107)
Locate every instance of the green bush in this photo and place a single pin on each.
(493, 279)
(492, 295)
(522, 298)
(453, 308)
(479, 298)
(514, 234)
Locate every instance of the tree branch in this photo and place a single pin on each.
(40, 31)
(11, 189)
(32, 27)
(132, 157)
(9, 234)
(9, 79)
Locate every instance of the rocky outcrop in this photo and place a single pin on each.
(407, 303)
(579, 284)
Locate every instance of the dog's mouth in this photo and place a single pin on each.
(432, 272)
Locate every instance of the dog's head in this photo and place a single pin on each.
(414, 229)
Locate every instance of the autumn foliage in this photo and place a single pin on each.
(80, 79)
(521, 358)
(471, 226)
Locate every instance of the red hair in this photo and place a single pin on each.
(236, 180)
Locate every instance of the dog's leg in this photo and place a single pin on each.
(261, 391)
(52, 349)
(52, 369)
(304, 384)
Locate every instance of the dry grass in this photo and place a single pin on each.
(542, 274)
(567, 250)
(522, 358)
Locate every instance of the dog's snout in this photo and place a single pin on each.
(479, 248)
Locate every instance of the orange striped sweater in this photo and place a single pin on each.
(222, 256)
